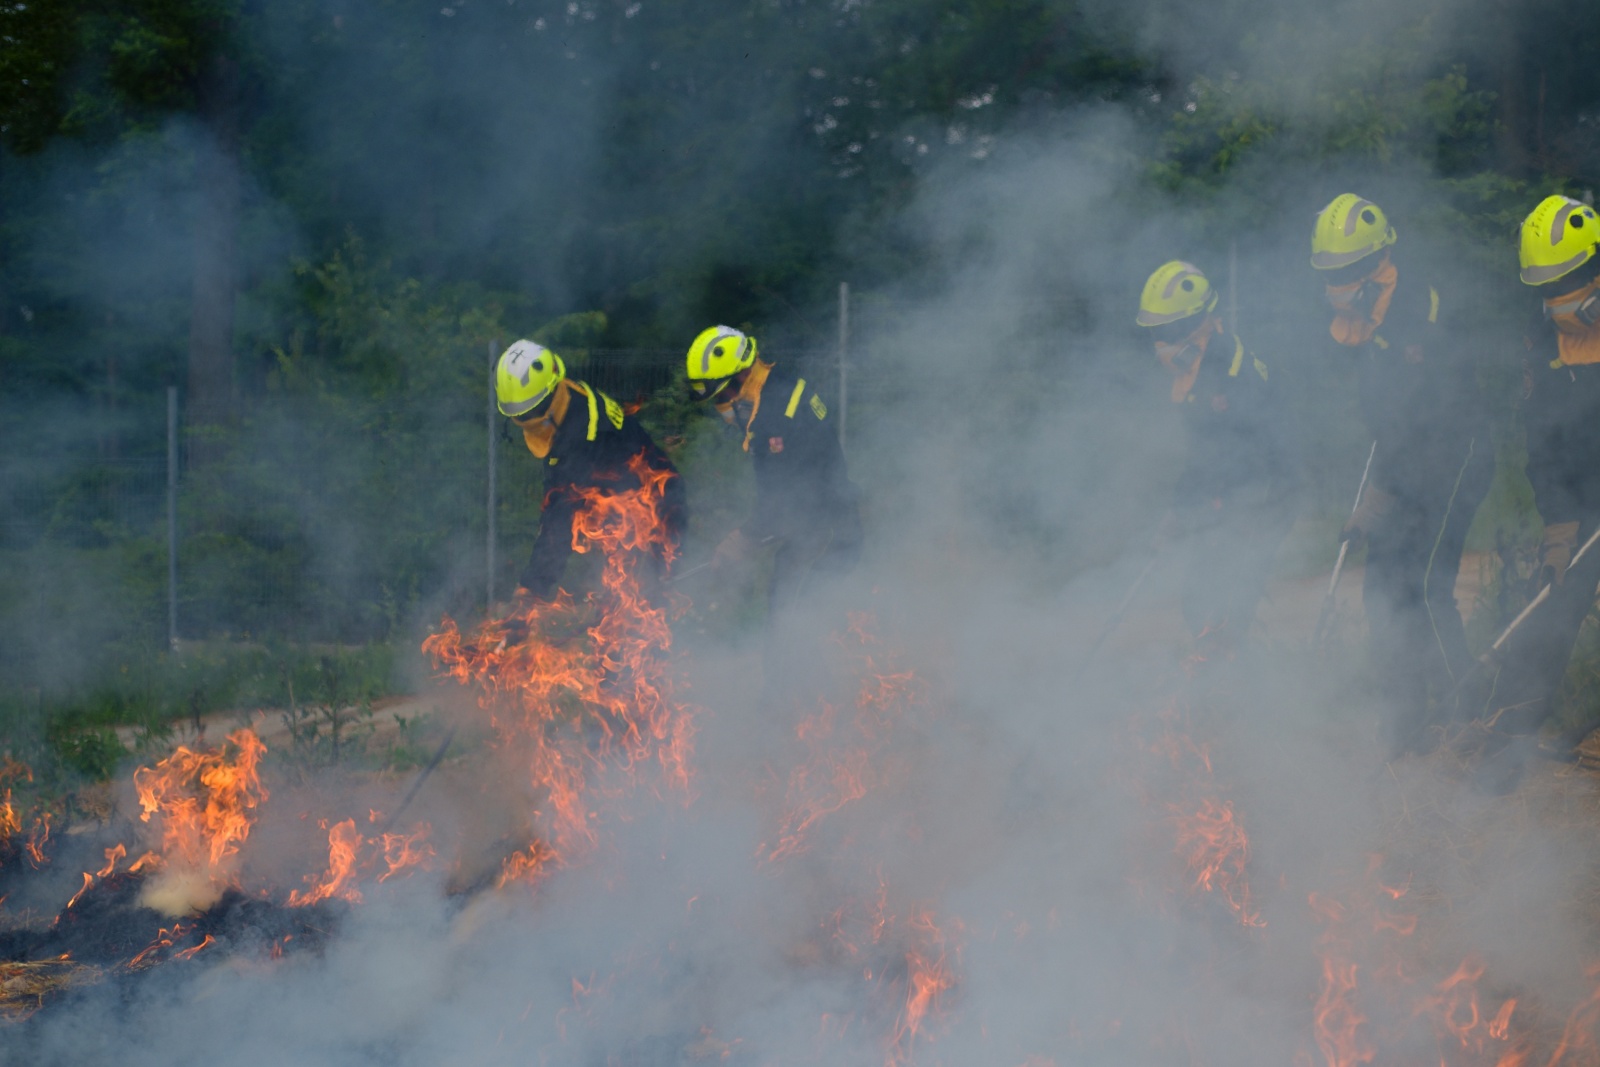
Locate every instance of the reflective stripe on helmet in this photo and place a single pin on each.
(706, 353)
(1354, 214)
(1558, 225)
(1335, 260)
(1542, 275)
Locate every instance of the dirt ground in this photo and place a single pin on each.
(1288, 612)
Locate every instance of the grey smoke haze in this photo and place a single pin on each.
(1018, 799)
(1015, 799)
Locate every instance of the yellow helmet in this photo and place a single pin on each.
(1347, 230)
(1557, 238)
(1175, 291)
(525, 378)
(718, 354)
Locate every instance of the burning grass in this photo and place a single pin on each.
(1389, 957)
(582, 690)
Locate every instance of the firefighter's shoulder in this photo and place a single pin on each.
(797, 396)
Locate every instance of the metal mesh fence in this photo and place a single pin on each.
(84, 503)
(231, 562)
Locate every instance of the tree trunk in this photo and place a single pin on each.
(217, 172)
(1512, 132)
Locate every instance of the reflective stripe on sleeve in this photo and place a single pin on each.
(794, 399)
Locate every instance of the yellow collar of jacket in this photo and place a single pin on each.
(541, 433)
(750, 393)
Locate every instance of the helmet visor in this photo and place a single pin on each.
(706, 388)
(1351, 273)
(521, 409)
(1171, 333)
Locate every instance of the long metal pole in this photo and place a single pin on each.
(489, 424)
(172, 517)
(1325, 615)
(1544, 594)
(1233, 287)
(1116, 617)
(1488, 658)
(844, 352)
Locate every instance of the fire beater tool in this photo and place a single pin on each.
(416, 786)
(712, 562)
(1488, 658)
(1325, 615)
(1122, 609)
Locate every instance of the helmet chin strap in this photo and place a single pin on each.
(1172, 354)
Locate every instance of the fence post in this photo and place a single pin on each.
(1233, 287)
(490, 424)
(172, 517)
(844, 350)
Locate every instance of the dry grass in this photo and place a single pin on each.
(23, 986)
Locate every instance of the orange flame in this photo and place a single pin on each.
(189, 953)
(841, 768)
(1578, 1037)
(113, 854)
(1458, 1020)
(163, 940)
(38, 837)
(820, 788)
(528, 865)
(1210, 838)
(205, 801)
(1214, 846)
(10, 822)
(401, 852)
(577, 702)
(928, 977)
(344, 844)
(88, 880)
(1337, 1020)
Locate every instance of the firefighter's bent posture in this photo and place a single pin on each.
(1431, 466)
(1233, 503)
(1561, 411)
(805, 502)
(586, 441)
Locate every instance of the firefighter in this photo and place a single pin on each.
(1561, 413)
(805, 503)
(586, 440)
(1431, 465)
(1232, 503)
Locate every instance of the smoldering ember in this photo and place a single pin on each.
(885, 532)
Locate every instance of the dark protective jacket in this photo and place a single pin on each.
(1421, 403)
(1419, 395)
(802, 489)
(1238, 431)
(591, 449)
(1561, 411)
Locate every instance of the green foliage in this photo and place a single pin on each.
(330, 712)
(93, 751)
(138, 698)
(443, 201)
(36, 40)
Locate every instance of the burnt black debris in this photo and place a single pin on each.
(108, 929)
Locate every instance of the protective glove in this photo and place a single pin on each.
(1555, 555)
(733, 550)
(1369, 515)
